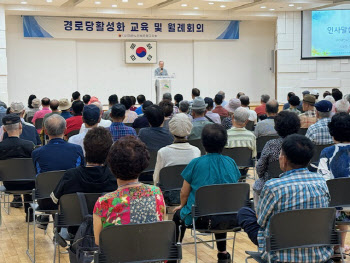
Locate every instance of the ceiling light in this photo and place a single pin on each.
(210, 3)
(262, 7)
(97, 2)
(299, 7)
(291, 5)
(125, 1)
(184, 5)
(114, 5)
(24, 2)
(139, 3)
(196, 7)
(272, 9)
(49, 1)
(222, 6)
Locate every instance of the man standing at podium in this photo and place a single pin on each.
(160, 71)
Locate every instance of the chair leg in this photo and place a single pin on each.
(246, 259)
(233, 247)
(195, 239)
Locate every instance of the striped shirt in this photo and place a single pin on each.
(241, 137)
(318, 133)
(295, 189)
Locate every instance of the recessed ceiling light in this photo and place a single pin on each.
(272, 9)
(139, 3)
(97, 2)
(24, 2)
(184, 5)
(210, 3)
(195, 7)
(291, 5)
(299, 7)
(49, 1)
(263, 7)
(114, 5)
(222, 6)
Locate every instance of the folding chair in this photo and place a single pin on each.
(39, 123)
(15, 170)
(297, 229)
(72, 133)
(198, 143)
(170, 182)
(147, 175)
(128, 124)
(316, 157)
(274, 169)
(69, 215)
(134, 243)
(242, 156)
(215, 200)
(45, 184)
(302, 131)
(261, 141)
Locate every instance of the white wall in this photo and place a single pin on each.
(297, 75)
(55, 68)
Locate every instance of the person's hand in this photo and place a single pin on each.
(177, 208)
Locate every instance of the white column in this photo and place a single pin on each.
(3, 57)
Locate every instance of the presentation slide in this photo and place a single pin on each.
(326, 34)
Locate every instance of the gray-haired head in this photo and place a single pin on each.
(167, 96)
(272, 107)
(222, 94)
(342, 106)
(12, 127)
(55, 125)
(99, 105)
(241, 115)
(330, 98)
(184, 106)
(265, 98)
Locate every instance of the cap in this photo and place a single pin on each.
(306, 92)
(93, 99)
(180, 125)
(16, 107)
(11, 118)
(91, 113)
(315, 92)
(199, 104)
(233, 105)
(118, 110)
(310, 99)
(324, 106)
(64, 104)
(36, 103)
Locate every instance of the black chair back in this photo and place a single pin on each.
(302, 229)
(198, 143)
(317, 152)
(17, 169)
(250, 126)
(69, 209)
(134, 244)
(241, 155)
(170, 178)
(128, 124)
(137, 130)
(302, 131)
(274, 169)
(45, 183)
(221, 199)
(339, 191)
(152, 161)
(39, 123)
(261, 141)
(29, 119)
(72, 133)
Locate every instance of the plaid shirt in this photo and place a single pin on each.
(118, 130)
(307, 118)
(318, 133)
(295, 189)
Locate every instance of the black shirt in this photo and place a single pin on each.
(140, 122)
(29, 133)
(98, 179)
(14, 147)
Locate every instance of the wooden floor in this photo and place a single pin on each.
(13, 236)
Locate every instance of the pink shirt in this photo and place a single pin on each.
(40, 115)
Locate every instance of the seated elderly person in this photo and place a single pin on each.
(286, 123)
(342, 106)
(95, 176)
(118, 129)
(184, 107)
(335, 161)
(294, 102)
(132, 202)
(130, 115)
(231, 107)
(180, 152)
(199, 121)
(267, 126)
(284, 194)
(309, 116)
(141, 121)
(167, 107)
(211, 116)
(213, 168)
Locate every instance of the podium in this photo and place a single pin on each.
(163, 84)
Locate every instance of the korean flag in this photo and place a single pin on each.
(141, 52)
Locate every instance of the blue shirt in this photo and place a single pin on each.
(139, 110)
(156, 137)
(318, 133)
(57, 155)
(295, 189)
(66, 114)
(119, 129)
(213, 168)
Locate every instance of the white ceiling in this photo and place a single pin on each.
(181, 9)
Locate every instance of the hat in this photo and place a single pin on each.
(91, 112)
(93, 99)
(199, 104)
(315, 92)
(324, 106)
(233, 105)
(64, 104)
(16, 107)
(118, 110)
(36, 103)
(306, 92)
(310, 99)
(11, 118)
(180, 125)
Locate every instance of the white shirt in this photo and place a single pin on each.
(174, 154)
(214, 117)
(252, 116)
(103, 123)
(79, 138)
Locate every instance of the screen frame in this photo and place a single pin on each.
(302, 30)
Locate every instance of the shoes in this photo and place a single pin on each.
(16, 202)
(224, 258)
(42, 222)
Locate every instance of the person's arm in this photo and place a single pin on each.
(262, 165)
(265, 207)
(157, 168)
(184, 194)
(97, 228)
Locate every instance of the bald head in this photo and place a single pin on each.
(55, 126)
(54, 105)
(272, 107)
